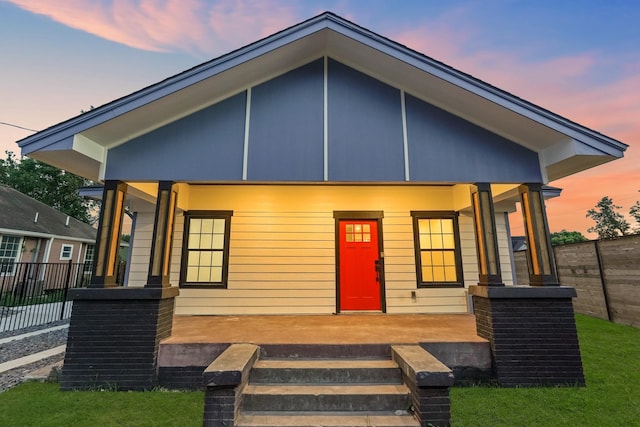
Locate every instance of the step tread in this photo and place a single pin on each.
(323, 364)
(327, 419)
(319, 389)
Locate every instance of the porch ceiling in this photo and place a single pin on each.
(93, 133)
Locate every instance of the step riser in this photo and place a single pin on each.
(326, 402)
(337, 376)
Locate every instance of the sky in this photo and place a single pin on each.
(579, 59)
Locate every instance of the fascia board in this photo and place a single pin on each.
(24, 233)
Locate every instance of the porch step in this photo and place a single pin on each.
(349, 392)
(328, 419)
(325, 371)
(369, 397)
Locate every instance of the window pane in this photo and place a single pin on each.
(216, 259)
(193, 258)
(450, 274)
(194, 225)
(436, 241)
(366, 237)
(218, 226)
(437, 257)
(449, 258)
(204, 274)
(358, 237)
(423, 226)
(427, 274)
(192, 274)
(218, 241)
(448, 241)
(207, 225)
(194, 241)
(349, 237)
(204, 259)
(425, 241)
(438, 274)
(366, 228)
(447, 226)
(216, 274)
(436, 226)
(426, 258)
(205, 241)
(349, 228)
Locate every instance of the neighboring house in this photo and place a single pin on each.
(32, 232)
(323, 169)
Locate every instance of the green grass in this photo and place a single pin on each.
(43, 404)
(611, 357)
(611, 362)
(10, 300)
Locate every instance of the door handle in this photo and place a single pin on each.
(378, 267)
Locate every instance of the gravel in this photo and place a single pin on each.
(25, 346)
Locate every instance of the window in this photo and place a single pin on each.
(9, 250)
(66, 252)
(205, 254)
(88, 258)
(437, 244)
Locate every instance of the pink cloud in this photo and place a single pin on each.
(197, 26)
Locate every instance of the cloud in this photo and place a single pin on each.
(200, 27)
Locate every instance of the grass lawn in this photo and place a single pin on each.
(610, 352)
(611, 362)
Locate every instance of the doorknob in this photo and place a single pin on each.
(378, 266)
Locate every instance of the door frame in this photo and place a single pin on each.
(369, 216)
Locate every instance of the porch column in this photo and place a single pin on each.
(108, 237)
(486, 236)
(160, 260)
(531, 329)
(542, 266)
(115, 332)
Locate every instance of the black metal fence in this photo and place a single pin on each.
(36, 293)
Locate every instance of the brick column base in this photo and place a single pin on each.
(114, 336)
(533, 334)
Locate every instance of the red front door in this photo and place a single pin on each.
(360, 281)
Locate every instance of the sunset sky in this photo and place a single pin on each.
(579, 59)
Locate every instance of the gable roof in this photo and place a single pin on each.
(18, 213)
(80, 144)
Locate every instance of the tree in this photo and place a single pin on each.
(564, 237)
(609, 222)
(635, 213)
(48, 184)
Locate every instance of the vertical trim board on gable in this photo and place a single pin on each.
(365, 128)
(286, 127)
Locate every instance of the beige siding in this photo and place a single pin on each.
(282, 248)
(141, 249)
(504, 247)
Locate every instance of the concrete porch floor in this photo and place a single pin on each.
(197, 340)
(325, 329)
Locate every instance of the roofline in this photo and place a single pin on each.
(325, 20)
(24, 233)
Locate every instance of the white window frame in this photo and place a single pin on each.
(15, 257)
(62, 250)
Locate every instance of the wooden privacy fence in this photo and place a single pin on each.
(605, 274)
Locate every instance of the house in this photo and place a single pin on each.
(32, 232)
(324, 169)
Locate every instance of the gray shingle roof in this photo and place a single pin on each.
(18, 211)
